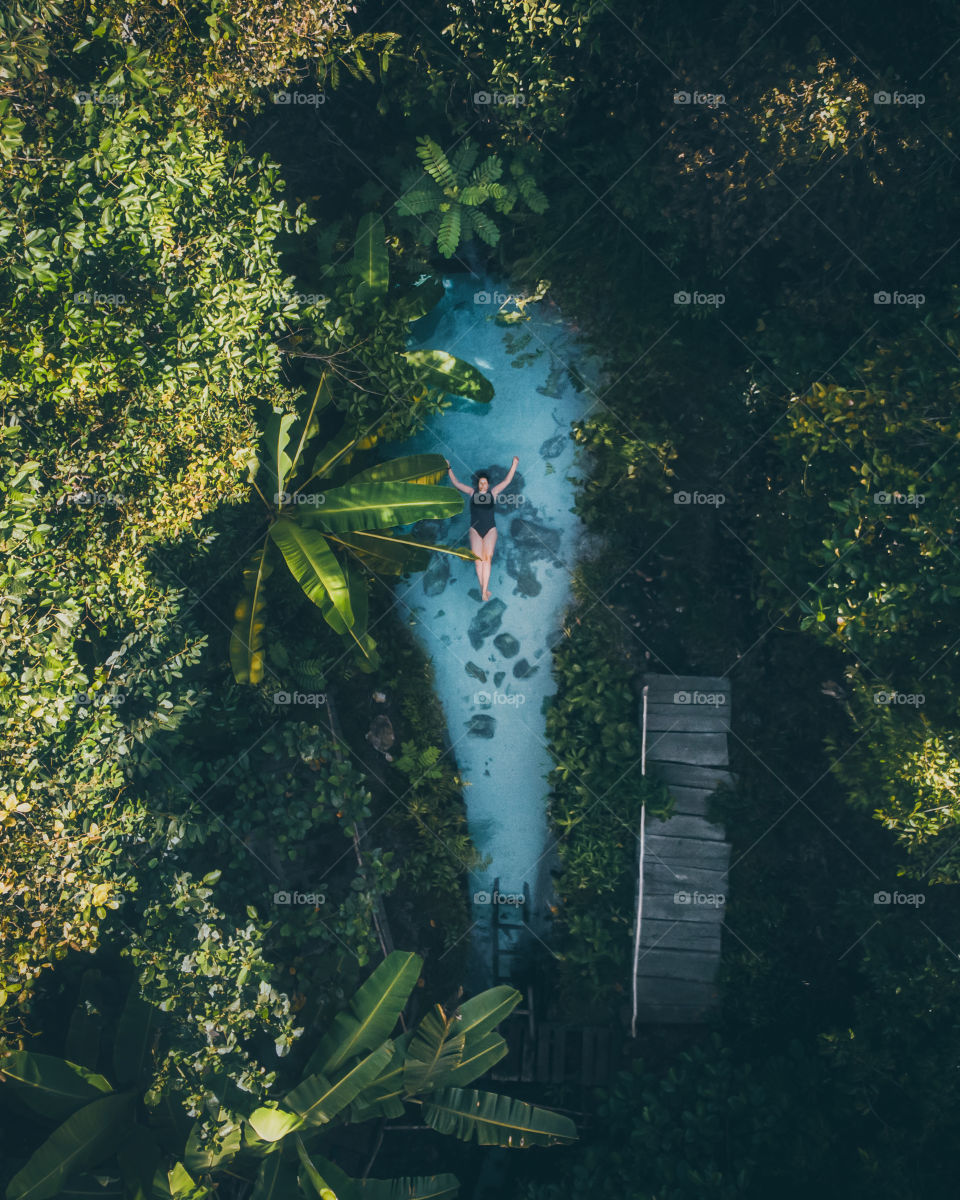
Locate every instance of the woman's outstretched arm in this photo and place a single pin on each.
(509, 479)
(456, 482)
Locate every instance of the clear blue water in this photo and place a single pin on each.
(493, 661)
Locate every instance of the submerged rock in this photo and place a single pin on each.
(539, 541)
(476, 672)
(486, 622)
(498, 678)
(482, 726)
(523, 670)
(554, 447)
(528, 585)
(507, 644)
(437, 576)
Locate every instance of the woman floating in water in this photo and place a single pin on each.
(483, 529)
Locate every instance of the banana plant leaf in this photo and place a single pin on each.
(383, 1097)
(314, 566)
(496, 1120)
(422, 299)
(50, 1086)
(367, 657)
(340, 450)
(373, 1014)
(415, 468)
(484, 1012)
(318, 1100)
(311, 1175)
(137, 1032)
(447, 373)
(370, 257)
(382, 506)
(276, 1180)
(478, 1056)
(436, 1050)
(138, 1159)
(246, 637)
(380, 554)
(424, 1187)
(307, 427)
(85, 1139)
(279, 463)
(273, 1124)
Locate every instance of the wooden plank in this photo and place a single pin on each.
(702, 749)
(688, 852)
(655, 989)
(688, 775)
(664, 907)
(679, 964)
(683, 720)
(705, 936)
(690, 801)
(673, 1014)
(686, 826)
(700, 683)
(662, 879)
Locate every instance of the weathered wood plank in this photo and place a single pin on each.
(704, 936)
(689, 853)
(657, 989)
(662, 878)
(701, 749)
(685, 720)
(690, 801)
(665, 907)
(686, 826)
(688, 775)
(679, 964)
(687, 683)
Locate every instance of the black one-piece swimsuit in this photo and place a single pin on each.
(482, 512)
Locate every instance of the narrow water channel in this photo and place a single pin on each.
(493, 660)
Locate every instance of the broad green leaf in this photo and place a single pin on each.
(272, 1124)
(246, 637)
(276, 1180)
(478, 1056)
(379, 553)
(84, 1140)
(382, 506)
(481, 1013)
(496, 1120)
(423, 298)
(371, 258)
(374, 1011)
(314, 566)
(137, 1032)
(446, 372)
(318, 1100)
(316, 1180)
(424, 1187)
(277, 437)
(50, 1086)
(383, 1097)
(310, 424)
(448, 235)
(435, 1051)
(416, 468)
(179, 1181)
(199, 1158)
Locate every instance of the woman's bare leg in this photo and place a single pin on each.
(476, 545)
(489, 542)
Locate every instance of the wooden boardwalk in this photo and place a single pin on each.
(686, 858)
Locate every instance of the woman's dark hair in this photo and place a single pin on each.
(478, 475)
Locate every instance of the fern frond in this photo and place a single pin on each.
(534, 199)
(464, 159)
(448, 235)
(310, 673)
(489, 170)
(414, 203)
(435, 162)
(484, 227)
(475, 193)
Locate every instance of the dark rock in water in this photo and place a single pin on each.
(428, 531)
(380, 735)
(539, 541)
(507, 644)
(472, 669)
(527, 583)
(482, 726)
(498, 678)
(554, 447)
(523, 670)
(486, 622)
(440, 613)
(437, 576)
(474, 594)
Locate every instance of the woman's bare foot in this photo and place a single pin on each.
(486, 595)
